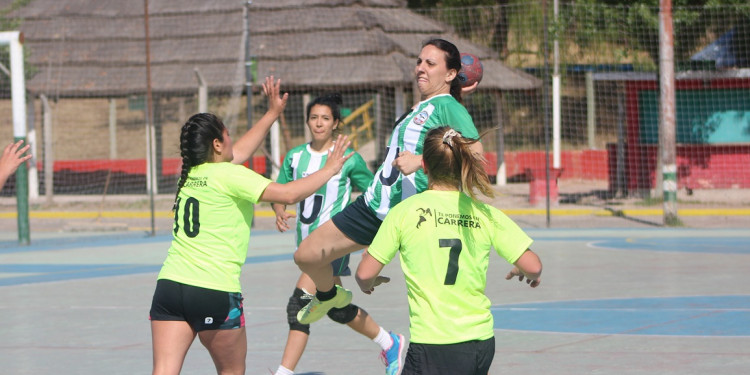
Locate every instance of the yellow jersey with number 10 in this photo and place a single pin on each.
(212, 226)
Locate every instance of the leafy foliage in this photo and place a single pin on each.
(627, 29)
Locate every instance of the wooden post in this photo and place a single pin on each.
(667, 113)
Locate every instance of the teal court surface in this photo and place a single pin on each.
(612, 301)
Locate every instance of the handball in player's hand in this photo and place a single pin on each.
(471, 69)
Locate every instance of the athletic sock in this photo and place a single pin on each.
(325, 296)
(383, 339)
(283, 371)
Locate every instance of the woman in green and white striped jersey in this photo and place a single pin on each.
(398, 177)
(323, 119)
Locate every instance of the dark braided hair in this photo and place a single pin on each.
(196, 143)
(452, 60)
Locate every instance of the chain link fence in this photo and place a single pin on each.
(93, 73)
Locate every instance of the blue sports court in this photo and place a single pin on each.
(612, 301)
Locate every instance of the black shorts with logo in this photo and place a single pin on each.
(464, 358)
(204, 309)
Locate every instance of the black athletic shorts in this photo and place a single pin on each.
(358, 222)
(341, 266)
(204, 309)
(464, 358)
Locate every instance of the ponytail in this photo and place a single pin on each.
(451, 161)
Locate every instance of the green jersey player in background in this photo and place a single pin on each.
(323, 119)
(443, 237)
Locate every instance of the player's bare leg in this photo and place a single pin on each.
(316, 252)
(228, 349)
(171, 341)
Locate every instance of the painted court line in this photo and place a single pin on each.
(663, 316)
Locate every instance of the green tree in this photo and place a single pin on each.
(693, 21)
(627, 25)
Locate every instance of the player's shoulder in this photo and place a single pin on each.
(417, 200)
(212, 174)
(351, 150)
(355, 155)
(297, 149)
(447, 105)
(230, 172)
(446, 101)
(219, 168)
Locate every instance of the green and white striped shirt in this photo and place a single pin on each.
(332, 197)
(390, 186)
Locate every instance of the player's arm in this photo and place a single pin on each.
(468, 90)
(297, 190)
(407, 163)
(246, 145)
(13, 156)
(368, 273)
(527, 266)
(282, 216)
(286, 174)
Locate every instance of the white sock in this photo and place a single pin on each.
(383, 339)
(283, 371)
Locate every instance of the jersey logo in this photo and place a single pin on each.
(317, 204)
(421, 117)
(423, 213)
(393, 176)
(208, 320)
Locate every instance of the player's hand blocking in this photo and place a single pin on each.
(336, 157)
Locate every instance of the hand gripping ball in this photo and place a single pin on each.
(471, 69)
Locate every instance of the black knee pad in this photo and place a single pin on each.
(296, 303)
(343, 315)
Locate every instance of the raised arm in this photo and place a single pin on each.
(13, 156)
(468, 90)
(246, 145)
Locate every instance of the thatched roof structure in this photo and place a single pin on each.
(83, 48)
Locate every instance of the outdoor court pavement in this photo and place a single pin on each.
(612, 301)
